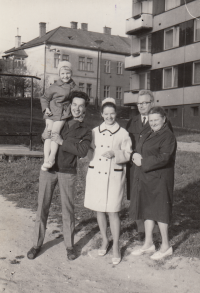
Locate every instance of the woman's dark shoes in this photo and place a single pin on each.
(71, 253)
(33, 252)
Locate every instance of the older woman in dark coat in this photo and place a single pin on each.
(152, 191)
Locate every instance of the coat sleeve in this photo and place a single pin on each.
(123, 155)
(46, 98)
(90, 154)
(166, 154)
(80, 148)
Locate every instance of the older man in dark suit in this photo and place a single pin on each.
(137, 127)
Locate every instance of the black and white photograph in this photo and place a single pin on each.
(100, 146)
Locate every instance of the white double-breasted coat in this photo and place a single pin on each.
(105, 180)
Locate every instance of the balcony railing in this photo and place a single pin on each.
(141, 60)
(130, 98)
(139, 24)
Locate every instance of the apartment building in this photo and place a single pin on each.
(165, 57)
(84, 49)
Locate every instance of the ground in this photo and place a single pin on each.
(51, 271)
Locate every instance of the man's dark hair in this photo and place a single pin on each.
(79, 94)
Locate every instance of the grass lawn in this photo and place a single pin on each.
(19, 180)
(19, 183)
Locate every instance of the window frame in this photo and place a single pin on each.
(174, 111)
(56, 59)
(81, 86)
(193, 72)
(89, 88)
(148, 40)
(120, 67)
(107, 91)
(65, 59)
(171, 87)
(172, 7)
(147, 82)
(107, 66)
(193, 108)
(174, 41)
(119, 93)
(81, 62)
(90, 63)
(195, 26)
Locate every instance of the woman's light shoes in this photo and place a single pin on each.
(143, 251)
(116, 260)
(102, 252)
(159, 255)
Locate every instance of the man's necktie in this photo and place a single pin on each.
(143, 122)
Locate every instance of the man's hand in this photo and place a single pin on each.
(48, 112)
(57, 138)
(46, 134)
(137, 159)
(109, 154)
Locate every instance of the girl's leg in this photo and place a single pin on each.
(115, 230)
(47, 142)
(57, 126)
(164, 234)
(149, 225)
(102, 221)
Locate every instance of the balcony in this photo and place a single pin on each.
(130, 98)
(142, 60)
(142, 7)
(140, 24)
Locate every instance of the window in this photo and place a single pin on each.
(119, 67)
(174, 112)
(170, 77)
(89, 89)
(56, 60)
(145, 44)
(106, 91)
(107, 66)
(196, 30)
(166, 111)
(144, 80)
(65, 57)
(89, 64)
(169, 4)
(196, 72)
(119, 93)
(171, 37)
(81, 63)
(81, 86)
(195, 111)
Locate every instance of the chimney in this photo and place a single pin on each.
(107, 30)
(17, 40)
(84, 26)
(74, 24)
(42, 29)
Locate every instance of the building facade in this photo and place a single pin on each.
(88, 52)
(165, 57)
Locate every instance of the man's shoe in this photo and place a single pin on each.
(33, 252)
(71, 254)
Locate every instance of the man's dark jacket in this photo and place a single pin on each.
(76, 143)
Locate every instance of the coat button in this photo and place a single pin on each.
(108, 146)
(140, 135)
(110, 134)
(99, 172)
(101, 146)
(105, 173)
(99, 159)
(104, 134)
(106, 159)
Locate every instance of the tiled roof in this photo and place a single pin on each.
(19, 52)
(81, 39)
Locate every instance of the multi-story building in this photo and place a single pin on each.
(83, 49)
(165, 57)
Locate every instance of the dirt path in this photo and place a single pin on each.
(189, 146)
(51, 272)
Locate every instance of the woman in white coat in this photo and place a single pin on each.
(110, 150)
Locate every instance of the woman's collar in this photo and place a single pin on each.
(115, 127)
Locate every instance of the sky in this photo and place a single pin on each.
(26, 15)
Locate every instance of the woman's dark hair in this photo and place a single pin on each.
(108, 104)
(79, 94)
(158, 110)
